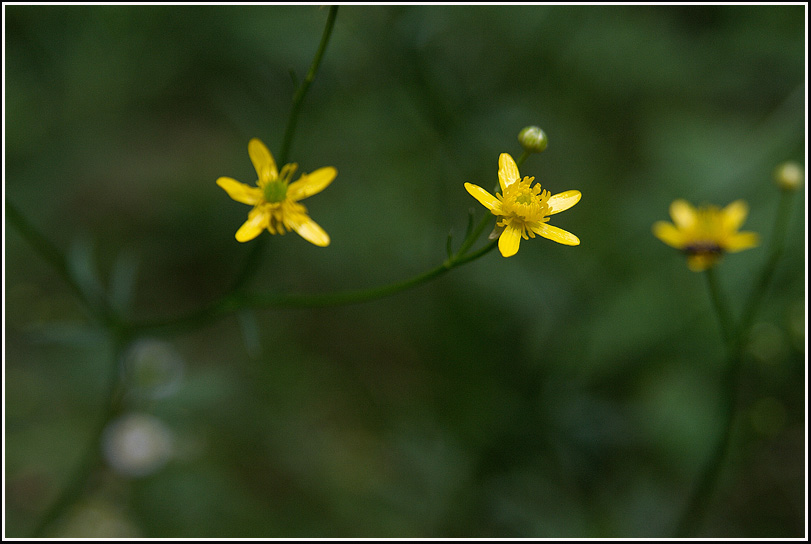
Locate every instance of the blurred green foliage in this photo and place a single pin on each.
(564, 392)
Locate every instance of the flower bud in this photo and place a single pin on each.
(533, 139)
(788, 176)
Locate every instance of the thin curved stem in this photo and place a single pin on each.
(298, 98)
(362, 295)
(239, 301)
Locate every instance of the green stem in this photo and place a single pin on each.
(778, 244)
(346, 297)
(240, 301)
(702, 493)
(721, 309)
(251, 264)
(298, 98)
(474, 234)
(522, 158)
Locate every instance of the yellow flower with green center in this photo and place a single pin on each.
(275, 200)
(705, 234)
(523, 209)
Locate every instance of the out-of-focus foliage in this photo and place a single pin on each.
(565, 392)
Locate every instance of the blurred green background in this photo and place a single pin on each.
(564, 392)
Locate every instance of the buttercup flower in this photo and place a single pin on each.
(523, 209)
(275, 199)
(704, 235)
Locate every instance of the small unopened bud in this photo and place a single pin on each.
(788, 176)
(533, 139)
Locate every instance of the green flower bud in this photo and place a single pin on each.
(533, 139)
(788, 176)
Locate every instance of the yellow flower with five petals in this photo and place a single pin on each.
(523, 209)
(275, 200)
(705, 234)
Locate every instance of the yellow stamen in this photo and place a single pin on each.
(524, 207)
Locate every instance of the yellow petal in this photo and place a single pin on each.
(669, 234)
(557, 234)
(310, 184)
(683, 213)
(563, 201)
(263, 161)
(486, 199)
(507, 171)
(310, 231)
(509, 241)
(257, 221)
(740, 241)
(734, 215)
(241, 192)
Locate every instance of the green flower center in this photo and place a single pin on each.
(275, 191)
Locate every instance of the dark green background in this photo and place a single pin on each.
(564, 392)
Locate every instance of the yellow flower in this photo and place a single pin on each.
(523, 209)
(275, 199)
(704, 235)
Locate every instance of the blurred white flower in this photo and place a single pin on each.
(137, 444)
